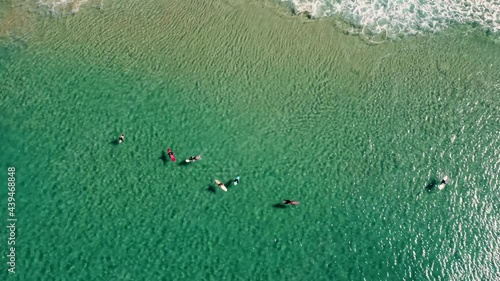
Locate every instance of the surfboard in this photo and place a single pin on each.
(194, 160)
(290, 202)
(221, 185)
(171, 155)
(444, 182)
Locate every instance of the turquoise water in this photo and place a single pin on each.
(358, 134)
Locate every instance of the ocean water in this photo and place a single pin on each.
(360, 134)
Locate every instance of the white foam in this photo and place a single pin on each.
(62, 6)
(401, 17)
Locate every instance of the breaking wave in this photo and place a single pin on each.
(58, 7)
(396, 18)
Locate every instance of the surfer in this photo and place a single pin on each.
(171, 154)
(443, 182)
(236, 180)
(290, 202)
(221, 185)
(193, 158)
(121, 138)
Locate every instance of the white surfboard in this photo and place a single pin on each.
(221, 185)
(442, 185)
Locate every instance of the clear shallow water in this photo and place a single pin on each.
(354, 132)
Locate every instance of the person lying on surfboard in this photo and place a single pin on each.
(121, 138)
(221, 185)
(193, 158)
(443, 182)
(171, 154)
(290, 202)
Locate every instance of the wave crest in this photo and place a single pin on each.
(57, 7)
(394, 18)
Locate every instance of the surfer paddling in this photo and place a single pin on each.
(290, 202)
(221, 185)
(121, 138)
(443, 182)
(170, 154)
(193, 158)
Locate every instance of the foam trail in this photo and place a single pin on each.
(395, 18)
(62, 6)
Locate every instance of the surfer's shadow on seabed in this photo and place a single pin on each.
(211, 188)
(431, 185)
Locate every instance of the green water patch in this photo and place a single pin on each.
(10, 47)
(358, 134)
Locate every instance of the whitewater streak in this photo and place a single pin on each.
(58, 7)
(395, 18)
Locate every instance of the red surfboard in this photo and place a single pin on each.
(290, 202)
(171, 154)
